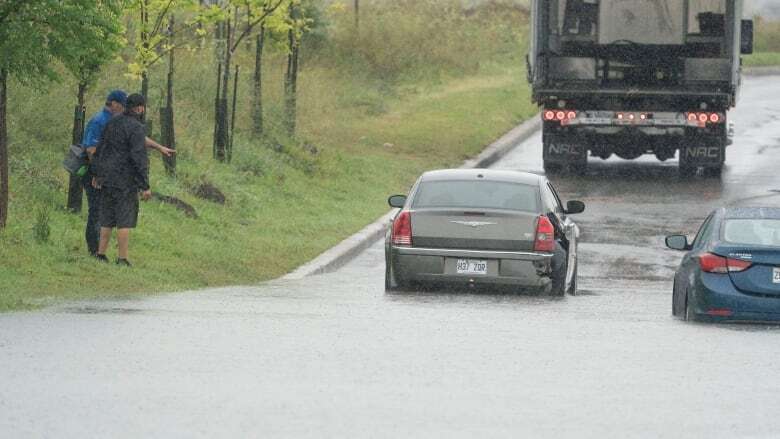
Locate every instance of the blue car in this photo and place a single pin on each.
(732, 269)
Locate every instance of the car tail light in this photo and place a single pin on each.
(703, 117)
(571, 115)
(714, 118)
(402, 229)
(692, 117)
(560, 115)
(620, 116)
(719, 312)
(549, 115)
(545, 235)
(711, 263)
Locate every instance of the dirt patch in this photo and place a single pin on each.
(183, 206)
(209, 192)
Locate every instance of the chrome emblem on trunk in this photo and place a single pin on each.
(474, 224)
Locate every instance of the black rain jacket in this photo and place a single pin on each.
(121, 160)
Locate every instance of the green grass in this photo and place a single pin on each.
(766, 44)
(375, 129)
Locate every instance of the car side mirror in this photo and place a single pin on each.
(575, 206)
(678, 242)
(397, 201)
(746, 40)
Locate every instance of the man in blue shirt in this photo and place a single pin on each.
(115, 104)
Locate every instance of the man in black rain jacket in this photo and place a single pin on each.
(121, 166)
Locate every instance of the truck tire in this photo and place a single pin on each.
(713, 172)
(552, 168)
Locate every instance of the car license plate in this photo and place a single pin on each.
(471, 266)
(776, 275)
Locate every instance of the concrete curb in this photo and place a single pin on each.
(762, 71)
(347, 249)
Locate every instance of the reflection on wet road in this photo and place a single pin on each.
(333, 355)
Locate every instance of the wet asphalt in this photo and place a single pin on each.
(335, 356)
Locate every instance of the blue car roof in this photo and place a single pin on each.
(751, 213)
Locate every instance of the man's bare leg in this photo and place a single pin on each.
(105, 238)
(123, 240)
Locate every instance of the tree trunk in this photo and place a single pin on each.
(357, 14)
(222, 110)
(145, 42)
(75, 190)
(3, 149)
(291, 80)
(167, 121)
(257, 107)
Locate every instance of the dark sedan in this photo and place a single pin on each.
(732, 269)
(483, 226)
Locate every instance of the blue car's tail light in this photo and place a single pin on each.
(712, 263)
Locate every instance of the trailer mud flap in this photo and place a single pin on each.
(703, 155)
(562, 151)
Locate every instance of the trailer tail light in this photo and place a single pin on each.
(545, 235)
(560, 115)
(402, 229)
(549, 115)
(620, 116)
(712, 263)
(692, 117)
(703, 117)
(714, 118)
(571, 115)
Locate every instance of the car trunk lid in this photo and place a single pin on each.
(479, 229)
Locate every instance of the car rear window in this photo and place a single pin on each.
(752, 231)
(476, 195)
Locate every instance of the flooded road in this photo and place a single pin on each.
(334, 356)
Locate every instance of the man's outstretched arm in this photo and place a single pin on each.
(151, 144)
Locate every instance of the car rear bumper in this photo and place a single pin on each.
(523, 269)
(716, 293)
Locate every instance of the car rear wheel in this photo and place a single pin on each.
(690, 316)
(573, 285)
(392, 282)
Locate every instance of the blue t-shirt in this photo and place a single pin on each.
(94, 130)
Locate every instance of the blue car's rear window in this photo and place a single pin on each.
(752, 231)
(476, 195)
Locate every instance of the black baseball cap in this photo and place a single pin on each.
(135, 100)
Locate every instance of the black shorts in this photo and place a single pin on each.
(118, 208)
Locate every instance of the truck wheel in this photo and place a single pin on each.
(552, 168)
(714, 172)
(686, 170)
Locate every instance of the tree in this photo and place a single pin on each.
(31, 31)
(227, 15)
(84, 59)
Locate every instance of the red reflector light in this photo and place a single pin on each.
(402, 229)
(545, 235)
(560, 115)
(549, 115)
(571, 115)
(714, 118)
(711, 263)
(719, 312)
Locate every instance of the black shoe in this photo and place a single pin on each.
(123, 262)
(101, 258)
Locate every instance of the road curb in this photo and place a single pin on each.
(762, 71)
(347, 249)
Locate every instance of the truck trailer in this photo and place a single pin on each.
(634, 77)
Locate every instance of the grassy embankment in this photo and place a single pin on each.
(766, 45)
(427, 92)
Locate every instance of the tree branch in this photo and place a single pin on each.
(250, 26)
(161, 17)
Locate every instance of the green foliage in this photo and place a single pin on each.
(361, 137)
(35, 32)
(415, 39)
(41, 229)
